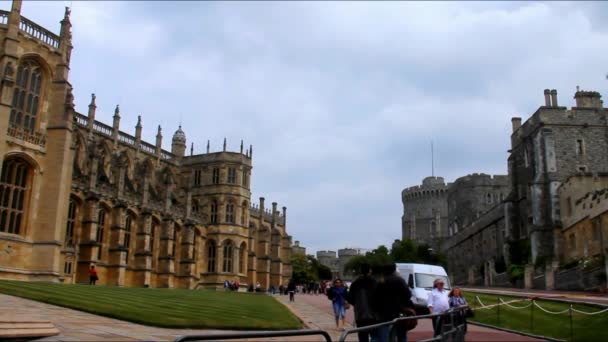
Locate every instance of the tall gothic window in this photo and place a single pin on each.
(232, 175)
(26, 96)
(228, 250)
(216, 175)
(230, 212)
(101, 222)
(211, 253)
(244, 179)
(244, 214)
(71, 224)
(13, 191)
(197, 177)
(213, 212)
(153, 233)
(128, 224)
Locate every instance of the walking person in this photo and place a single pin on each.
(438, 302)
(93, 275)
(457, 300)
(391, 299)
(337, 294)
(291, 289)
(360, 296)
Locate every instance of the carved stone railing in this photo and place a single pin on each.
(4, 17)
(147, 147)
(126, 138)
(27, 136)
(36, 31)
(166, 155)
(81, 119)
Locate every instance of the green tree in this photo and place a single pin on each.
(301, 269)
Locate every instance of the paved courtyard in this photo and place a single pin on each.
(315, 311)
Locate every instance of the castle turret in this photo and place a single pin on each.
(178, 144)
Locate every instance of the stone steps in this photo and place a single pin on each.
(26, 329)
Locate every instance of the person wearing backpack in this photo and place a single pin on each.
(360, 296)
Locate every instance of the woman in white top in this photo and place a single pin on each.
(438, 302)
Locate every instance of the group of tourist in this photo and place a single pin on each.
(385, 297)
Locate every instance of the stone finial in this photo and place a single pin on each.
(117, 111)
(250, 151)
(224, 144)
(191, 149)
(208, 146)
(138, 128)
(158, 133)
(138, 121)
(93, 97)
(241, 146)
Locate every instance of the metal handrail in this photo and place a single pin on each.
(253, 334)
(398, 320)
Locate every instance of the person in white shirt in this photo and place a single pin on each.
(438, 302)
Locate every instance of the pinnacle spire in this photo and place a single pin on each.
(224, 144)
(208, 146)
(93, 97)
(117, 111)
(138, 121)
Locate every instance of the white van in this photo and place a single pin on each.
(420, 278)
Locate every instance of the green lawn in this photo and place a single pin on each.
(169, 308)
(585, 328)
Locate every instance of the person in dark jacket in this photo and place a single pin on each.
(391, 298)
(291, 288)
(361, 297)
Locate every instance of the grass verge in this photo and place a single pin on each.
(168, 308)
(535, 321)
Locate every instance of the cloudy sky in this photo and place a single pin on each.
(339, 99)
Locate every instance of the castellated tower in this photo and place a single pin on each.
(425, 211)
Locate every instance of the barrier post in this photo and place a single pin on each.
(497, 311)
(532, 317)
(571, 327)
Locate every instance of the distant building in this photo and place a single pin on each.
(425, 211)
(337, 264)
(296, 249)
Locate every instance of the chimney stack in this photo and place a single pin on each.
(516, 123)
(547, 98)
(553, 98)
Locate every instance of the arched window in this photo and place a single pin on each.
(101, 226)
(211, 253)
(489, 198)
(243, 259)
(213, 213)
(71, 224)
(230, 212)
(228, 250)
(127, 245)
(244, 214)
(26, 96)
(232, 175)
(13, 192)
(153, 243)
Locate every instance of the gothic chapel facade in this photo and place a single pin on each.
(75, 192)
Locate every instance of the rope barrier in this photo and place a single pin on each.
(550, 312)
(589, 313)
(516, 307)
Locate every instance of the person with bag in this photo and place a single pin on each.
(361, 296)
(93, 275)
(456, 300)
(337, 294)
(392, 299)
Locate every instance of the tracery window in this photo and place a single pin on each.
(127, 244)
(228, 250)
(232, 175)
(13, 192)
(197, 177)
(230, 212)
(26, 96)
(71, 224)
(213, 212)
(211, 253)
(216, 175)
(101, 222)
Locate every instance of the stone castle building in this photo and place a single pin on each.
(297, 249)
(75, 192)
(425, 211)
(554, 145)
(337, 263)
